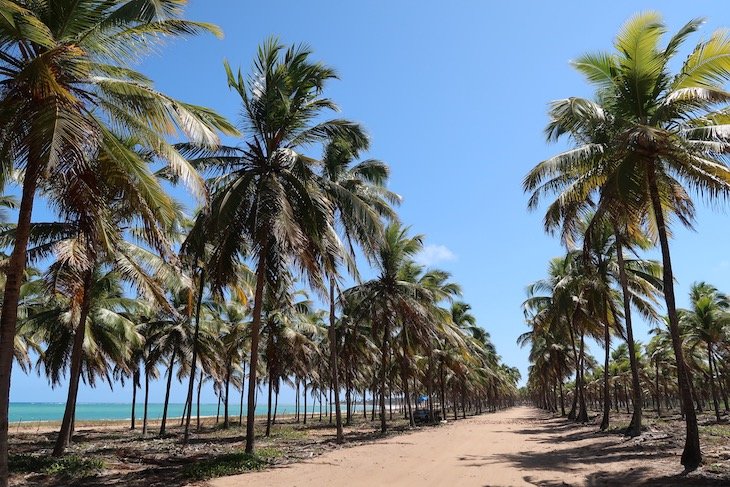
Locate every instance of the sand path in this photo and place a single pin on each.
(516, 447)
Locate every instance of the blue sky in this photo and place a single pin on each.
(454, 96)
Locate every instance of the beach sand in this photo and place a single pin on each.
(517, 447)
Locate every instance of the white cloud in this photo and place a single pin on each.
(433, 254)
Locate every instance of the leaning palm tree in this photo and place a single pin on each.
(664, 134)
(91, 237)
(66, 79)
(267, 203)
(110, 337)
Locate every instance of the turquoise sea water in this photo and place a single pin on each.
(49, 411)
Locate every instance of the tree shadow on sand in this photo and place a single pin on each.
(599, 455)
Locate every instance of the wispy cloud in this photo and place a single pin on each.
(433, 254)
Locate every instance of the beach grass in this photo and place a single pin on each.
(68, 467)
(231, 464)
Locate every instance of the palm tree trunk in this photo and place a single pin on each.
(276, 404)
(429, 387)
(314, 402)
(268, 409)
(406, 392)
(197, 412)
(348, 397)
(64, 436)
(253, 361)
(573, 408)
(304, 387)
(218, 411)
(692, 455)
(443, 388)
(296, 402)
(186, 405)
(226, 418)
(634, 428)
(656, 386)
(723, 390)
(713, 387)
(240, 407)
(606, 363)
(583, 411)
(14, 274)
(463, 404)
(560, 385)
(146, 397)
(384, 373)
(193, 363)
(135, 380)
(390, 401)
(167, 393)
(455, 403)
(334, 362)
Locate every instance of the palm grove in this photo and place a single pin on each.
(128, 287)
(648, 141)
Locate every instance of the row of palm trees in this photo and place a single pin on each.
(643, 146)
(130, 288)
(607, 385)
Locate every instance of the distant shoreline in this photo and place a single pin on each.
(51, 413)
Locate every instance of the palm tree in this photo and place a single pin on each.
(564, 310)
(289, 331)
(359, 200)
(662, 133)
(110, 337)
(705, 322)
(640, 283)
(387, 299)
(65, 75)
(232, 318)
(268, 204)
(171, 338)
(93, 237)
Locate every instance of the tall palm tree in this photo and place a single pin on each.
(359, 198)
(640, 283)
(387, 299)
(97, 202)
(65, 75)
(559, 304)
(267, 202)
(110, 337)
(664, 133)
(233, 321)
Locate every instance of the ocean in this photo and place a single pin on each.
(50, 411)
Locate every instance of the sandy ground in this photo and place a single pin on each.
(516, 447)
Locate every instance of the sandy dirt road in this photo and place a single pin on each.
(516, 447)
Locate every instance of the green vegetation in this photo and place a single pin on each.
(230, 464)
(133, 289)
(646, 143)
(69, 467)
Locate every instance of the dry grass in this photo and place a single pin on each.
(109, 453)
